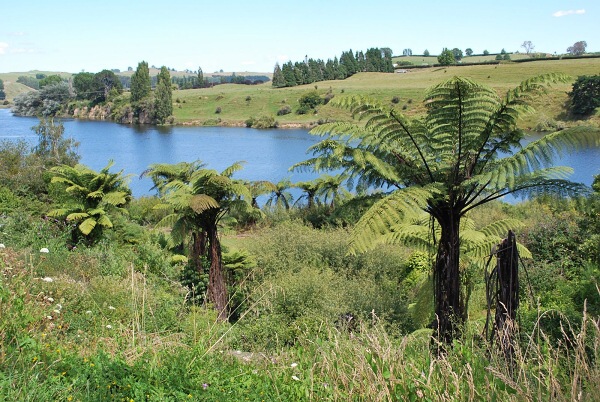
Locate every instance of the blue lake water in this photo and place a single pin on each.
(268, 153)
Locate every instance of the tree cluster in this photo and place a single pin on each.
(96, 87)
(349, 63)
(2, 93)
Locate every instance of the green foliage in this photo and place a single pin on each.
(31, 82)
(107, 81)
(50, 80)
(284, 110)
(140, 82)
(52, 147)
(49, 101)
(308, 102)
(458, 54)
(198, 199)
(446, 57)
(92, 196)
(163, 96)
(262, 122)
(278, 77)
(85, 85)
(585, 96)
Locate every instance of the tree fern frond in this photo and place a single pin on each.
(235, 167)
(200, 203)
(386, 213)
(76, 216)
(87, 226)
(115, 198)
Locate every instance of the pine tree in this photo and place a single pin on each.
(288, 73)
(278, 78)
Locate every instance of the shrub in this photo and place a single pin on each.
(284, 110)
(262, 122)
(218, 110)
(308, 102)
(395, 100)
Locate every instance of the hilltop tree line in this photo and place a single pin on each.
(349, 63)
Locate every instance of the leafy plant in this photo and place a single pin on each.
(91, 197)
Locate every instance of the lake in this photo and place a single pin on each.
(268, 153)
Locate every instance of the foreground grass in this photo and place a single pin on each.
(110, 327)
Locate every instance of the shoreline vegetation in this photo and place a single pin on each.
(238, 105)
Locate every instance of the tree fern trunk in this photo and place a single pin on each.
(217, 287)
(507, 301)
(198, 250)
(448, 309)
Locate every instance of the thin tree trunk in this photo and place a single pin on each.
(217, 287)
(448, 307)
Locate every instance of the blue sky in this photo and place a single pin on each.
(236, 35)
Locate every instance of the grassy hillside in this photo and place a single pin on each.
(197, 106)
(237, 103)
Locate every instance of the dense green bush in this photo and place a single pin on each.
(585, 96)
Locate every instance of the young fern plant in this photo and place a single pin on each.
(91, 197)
(465, 152)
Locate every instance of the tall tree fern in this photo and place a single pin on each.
(466, 151)
(199, 199)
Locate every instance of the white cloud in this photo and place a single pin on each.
(3, 47)
(562, 13)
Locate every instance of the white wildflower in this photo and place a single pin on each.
(109, 326)
(293, 365)
(44, 250)
(2, 245)
(59, 306)
(89, 312)
(49, 317)
(56, 311)
(295, 378)
(111, 308)
(48, 279)
(50, 299)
